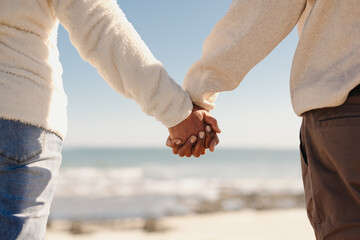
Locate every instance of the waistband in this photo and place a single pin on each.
(356, 89)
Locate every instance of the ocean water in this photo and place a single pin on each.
(131, 183)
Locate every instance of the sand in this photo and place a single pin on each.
(247, 224)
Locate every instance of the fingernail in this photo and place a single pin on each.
(192, 139)
(178, 142)
(208, 128)
(201, 135)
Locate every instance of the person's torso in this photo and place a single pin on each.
(326, 64)
(28, 32)
(31, 88)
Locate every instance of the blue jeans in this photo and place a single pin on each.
(30, 159)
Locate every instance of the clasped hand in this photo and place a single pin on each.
(195, 134)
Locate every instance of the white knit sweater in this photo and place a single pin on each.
(31, 89)
(326, 64)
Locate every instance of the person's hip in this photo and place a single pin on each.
(30, 158)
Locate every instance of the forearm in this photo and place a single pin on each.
(242, 38)
(107, 40)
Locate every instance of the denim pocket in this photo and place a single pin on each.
(20, 142)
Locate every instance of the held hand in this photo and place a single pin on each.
(193, 124)
(204, 141)
(183, 136)
(188, 148)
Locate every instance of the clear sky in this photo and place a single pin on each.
(258, 114)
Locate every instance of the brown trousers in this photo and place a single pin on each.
(330, 149)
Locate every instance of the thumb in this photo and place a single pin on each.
(212, 122)
(175, 143)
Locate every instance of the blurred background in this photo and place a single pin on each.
(116, 168)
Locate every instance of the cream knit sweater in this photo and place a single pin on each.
(326, 64)
(31, 89)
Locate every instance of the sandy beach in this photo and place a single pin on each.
(246, 224)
